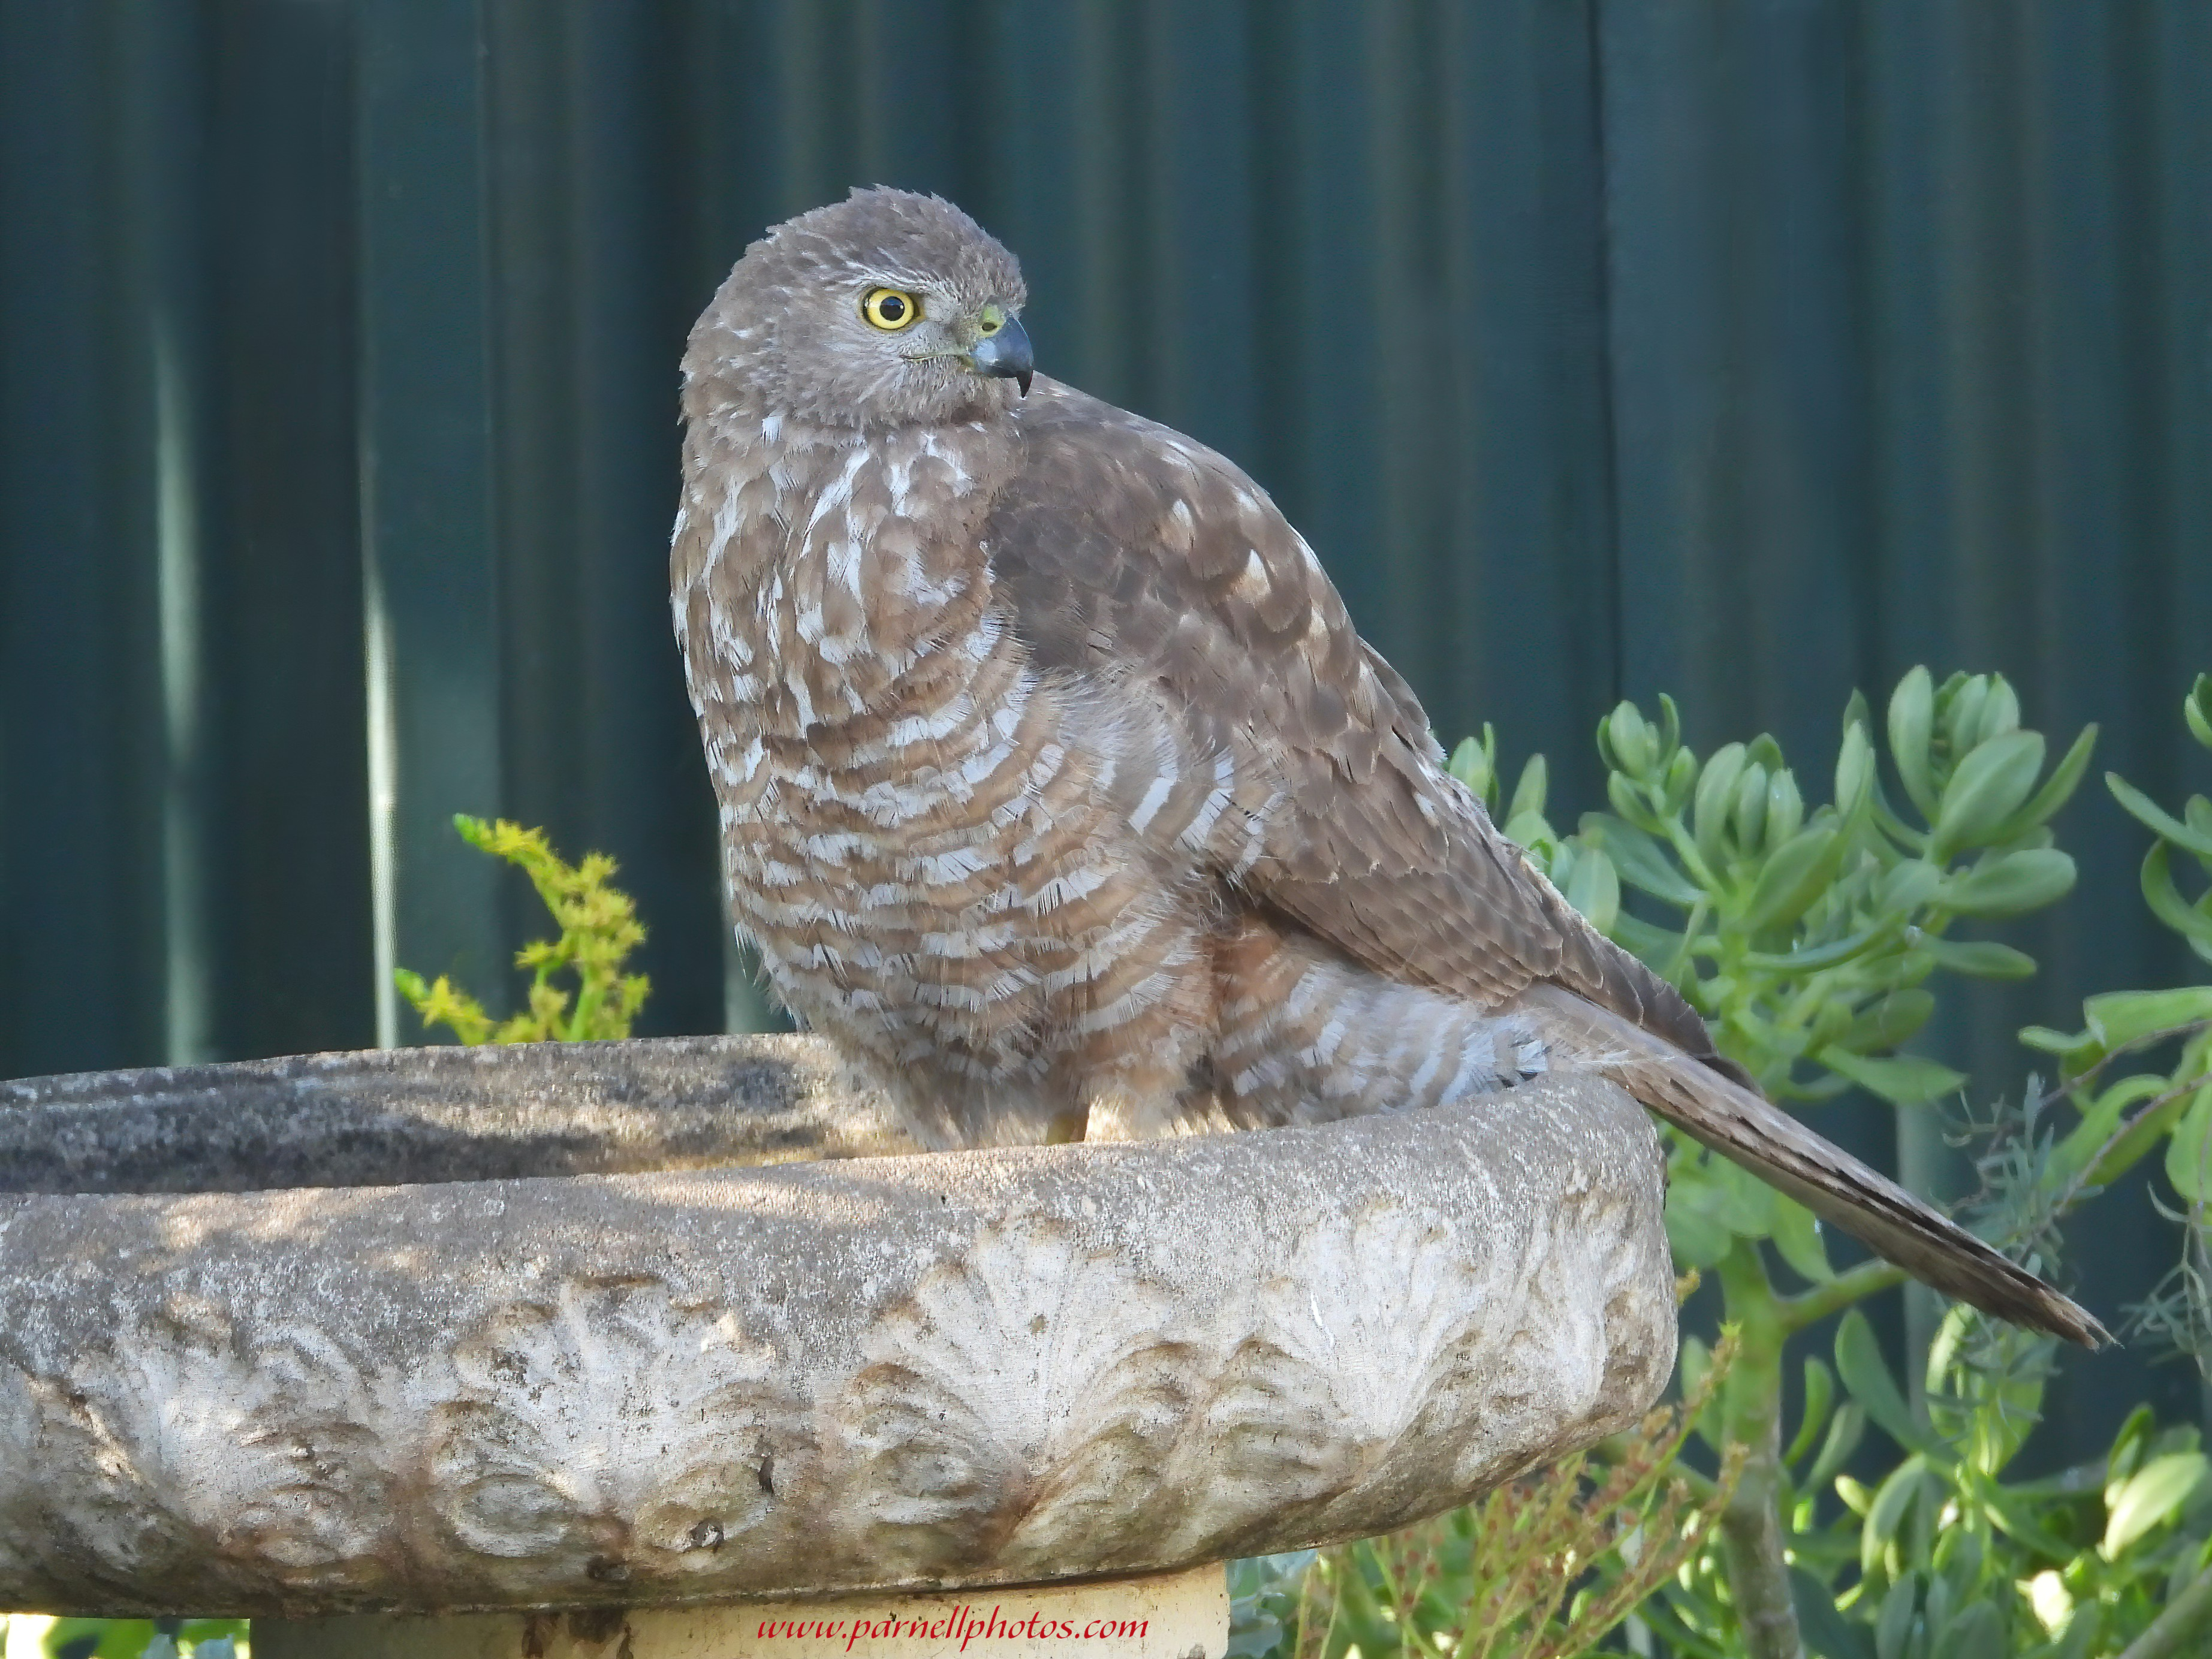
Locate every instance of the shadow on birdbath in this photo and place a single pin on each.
(636, 1347)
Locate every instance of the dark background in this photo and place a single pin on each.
(1751, 351)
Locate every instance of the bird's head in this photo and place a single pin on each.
(885, 309)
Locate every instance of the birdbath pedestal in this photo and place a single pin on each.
(660, 1348)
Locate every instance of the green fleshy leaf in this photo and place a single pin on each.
(1911, 725)
(2010, 885)
(1716, 794)
(2152, 1494)
(1892, 1501)
(1640, 859)
(2156, 818)
(1532, 831)
(1793, 876)
(2076, 1048)
(1715, 1193)
(2058, 789)
(1594, 889)
(1959, 710)
(2141, 1136)
(2130, 1442)
(1628, 799)
(2189, 1154)
(1785, 807)
(1892, 1626)
(1854, 770)
(1975, 1631)
(1747, 813)
(1845, 1431)
(1698, 1240)
(1744, 1203)
(1986, 788)
(1979, 958)
(2023, 1517)
(2193, 921)
(1819, 956)
(1529, 793)
(1819, 1403)
(2000, 711)
(1681, 779)
(1909, 966)
(1826, 1634)
(2117, 1019)
(1472, 767)
(1627, 742)
(1909, 885)
(1889, 1021)
(1797, 1238)
(1866, 1374)
(1900, 1079)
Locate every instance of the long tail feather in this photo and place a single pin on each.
(1739, 1124)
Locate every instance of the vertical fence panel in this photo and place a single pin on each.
(430, 585)
(1526, 619)
(2170, 171)
(591, 307)
(160, 394)
(1100, 323)
(1313, 105)
(1733, 341)
(1413, 333)
(1025, 56)
(1204, 328)
(84, 729)
(289, 905)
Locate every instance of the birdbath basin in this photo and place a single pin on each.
(601, 1348)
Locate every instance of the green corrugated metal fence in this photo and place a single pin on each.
(1750, 350)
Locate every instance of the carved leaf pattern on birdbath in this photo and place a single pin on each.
(1017, 1396)
(611, 1428)
(273, 1453)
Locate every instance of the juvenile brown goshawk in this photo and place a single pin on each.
(1057, 791)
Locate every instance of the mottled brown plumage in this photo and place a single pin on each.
(1058, 790)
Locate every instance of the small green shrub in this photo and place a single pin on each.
(1816, 941)
(2126, 1115)
(599, 930)
(1813, 939)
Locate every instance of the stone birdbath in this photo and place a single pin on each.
(664, 1348)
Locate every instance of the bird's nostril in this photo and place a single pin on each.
(1004, 353)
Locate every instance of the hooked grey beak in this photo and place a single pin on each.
(1005, 355)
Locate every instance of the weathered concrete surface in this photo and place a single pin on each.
(384, 1117)
(1181, 1615)
(965, 1368)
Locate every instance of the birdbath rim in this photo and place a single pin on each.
(857, 1375)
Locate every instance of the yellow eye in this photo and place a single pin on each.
(891, 309)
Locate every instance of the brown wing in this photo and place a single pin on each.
(1135, 558)
(1130, 553)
